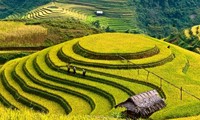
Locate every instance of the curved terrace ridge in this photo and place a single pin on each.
(38, 80)
(18, 96)
(68, 81)
(52, 61)
(128, 65)
(123, 45)
(78, 49)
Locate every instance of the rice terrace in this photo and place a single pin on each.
(99, 60)
(42, 82)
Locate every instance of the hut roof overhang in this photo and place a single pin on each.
(143, 105)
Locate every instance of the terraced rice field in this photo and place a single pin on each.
(84, 10)
(52, 10)
(42, 82)
(113, 10)
(188, 39)
(193, 31)
(193, 38)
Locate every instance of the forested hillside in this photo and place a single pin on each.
(188, 39)
(8, 7)
(161, 17)
(157, 18)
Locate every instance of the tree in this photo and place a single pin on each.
(96, 24)
(108, 29)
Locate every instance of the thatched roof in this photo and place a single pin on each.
(144, 104)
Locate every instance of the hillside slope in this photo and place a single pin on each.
(160, 18)
(188, 39)
(8, 7)
(21, 38)
(117, 15)
(48, 78)
(157, 18)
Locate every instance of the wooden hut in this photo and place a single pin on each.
(142, 105)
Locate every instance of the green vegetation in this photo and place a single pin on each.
(188, 39)
(7, 55)
(84, 10)
(41, 81)
(188, 118)
(17, 7)
(158, 18)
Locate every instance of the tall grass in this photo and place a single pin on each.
(15, 34)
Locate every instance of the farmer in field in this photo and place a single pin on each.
(84, 72)
(68, 68)
(74, 69)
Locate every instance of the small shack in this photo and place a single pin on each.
(99, 13)
(142, 105)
